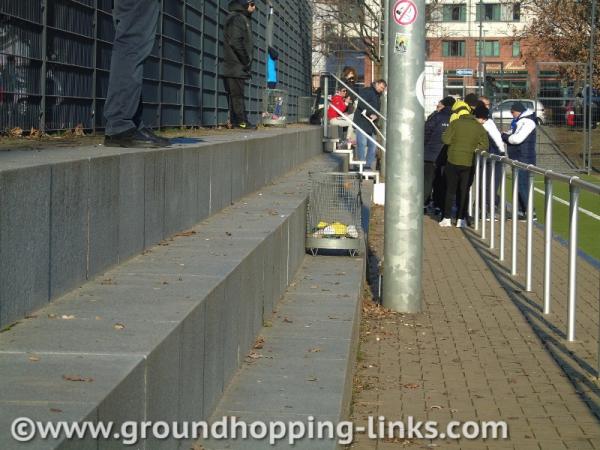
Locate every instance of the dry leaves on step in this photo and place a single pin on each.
(77, 378)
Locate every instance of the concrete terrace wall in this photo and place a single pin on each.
(66, 221)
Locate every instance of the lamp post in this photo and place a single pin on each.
(480, 46)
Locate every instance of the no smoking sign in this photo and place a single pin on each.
(405, 12)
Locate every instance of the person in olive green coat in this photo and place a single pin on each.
(463, 137)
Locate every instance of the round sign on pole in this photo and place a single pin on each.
(405, 12)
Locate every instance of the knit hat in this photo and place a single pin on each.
(519, 107)
(471, 100)
(245, 2)
(448, 101)
(481, 112)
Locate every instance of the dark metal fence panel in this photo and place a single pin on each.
(55, 62)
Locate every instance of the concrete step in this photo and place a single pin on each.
(160, 336)
(305, 366)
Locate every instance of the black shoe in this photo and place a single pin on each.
(161, 140)
(131, 139)
(245, 126)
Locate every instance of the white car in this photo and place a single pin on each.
(502, 116)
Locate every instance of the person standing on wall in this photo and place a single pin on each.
(238, 47)
(135, 30)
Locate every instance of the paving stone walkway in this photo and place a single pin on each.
(479, 351)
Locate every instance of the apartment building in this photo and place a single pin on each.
(455, 30)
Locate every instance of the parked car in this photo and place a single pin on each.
(502, 116)
(574, 114)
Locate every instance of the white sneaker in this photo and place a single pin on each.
(445, 223)
(460, 223)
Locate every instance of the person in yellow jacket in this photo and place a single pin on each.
(462, 137)
(463, 107)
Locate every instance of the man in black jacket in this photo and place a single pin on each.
(435, 125)
(364, 118)
(238, 46)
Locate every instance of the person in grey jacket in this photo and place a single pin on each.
(238, 47)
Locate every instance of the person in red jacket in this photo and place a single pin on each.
(340, 100)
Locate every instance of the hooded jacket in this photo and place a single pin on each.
(238, 43)
(521, 138)
(460, 108)
(463, 137)
(435, 125)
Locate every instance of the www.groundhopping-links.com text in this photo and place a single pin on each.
(24, 429)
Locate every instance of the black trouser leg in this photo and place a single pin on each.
(451, 174)
(462, 194)
(439, 187)
(428, 177)
(135, 31)
(235, 98)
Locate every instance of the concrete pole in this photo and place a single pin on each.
(403, 251)
(385, 75)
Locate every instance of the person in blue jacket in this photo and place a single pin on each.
(435, 125)
(364, 118)
(521, 140)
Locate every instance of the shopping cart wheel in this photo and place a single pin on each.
(313, 251)
(353, 252)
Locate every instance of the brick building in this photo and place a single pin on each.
(453, 38)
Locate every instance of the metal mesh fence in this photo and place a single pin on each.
(55, 60)
(334, 211)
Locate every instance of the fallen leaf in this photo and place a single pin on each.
(52, 316)
(286, 320)
(31, 316)
(411, 386)
(312, 379)
(228, 233)
(314, 350)
(260, 343)
(77, 378)
(34, 358)
(186, 233)
(436, 407)
(56, 410)
(107, 281)
(67, 317)
(165, 282)
(15, 132)
(118, 326)
(79, 130)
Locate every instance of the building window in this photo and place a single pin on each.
(454, 13)
(516, 49)
(517, 12)
(491, 12)
(490, 48)
(453, 48)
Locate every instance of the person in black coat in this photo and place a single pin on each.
(238, 47)
(363, 119)
(435, 125)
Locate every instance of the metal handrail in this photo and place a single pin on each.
(354, 92)
(576, 185)
(368, 136)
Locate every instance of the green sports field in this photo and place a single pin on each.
(589, 227)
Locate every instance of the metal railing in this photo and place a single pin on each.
(576, 185)
(349, 120)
